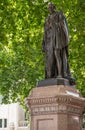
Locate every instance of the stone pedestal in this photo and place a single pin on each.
(56, 107)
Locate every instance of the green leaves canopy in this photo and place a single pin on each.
(21, 58)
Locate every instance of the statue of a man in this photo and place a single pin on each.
(55, 44)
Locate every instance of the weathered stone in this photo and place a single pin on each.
(55, 107)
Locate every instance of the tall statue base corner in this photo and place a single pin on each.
(56, 107)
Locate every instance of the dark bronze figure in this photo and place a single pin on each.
(55, 44)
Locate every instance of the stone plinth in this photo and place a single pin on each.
(57, 107)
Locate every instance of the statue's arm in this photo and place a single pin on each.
(45, 35)
(66, 27)
(64, 24)
(43, 45)
(43, 41)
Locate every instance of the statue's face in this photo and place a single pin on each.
(50, 7)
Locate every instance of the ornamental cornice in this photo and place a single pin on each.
(61, 99)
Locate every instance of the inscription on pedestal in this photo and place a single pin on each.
(54, 109)
(48, 109)
(73, 94)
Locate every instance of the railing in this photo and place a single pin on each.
(22, 128)
(23, 125)
(5, 129)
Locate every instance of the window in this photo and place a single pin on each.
(0, 123)
(5, 123)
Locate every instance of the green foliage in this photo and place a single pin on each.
(21, 57)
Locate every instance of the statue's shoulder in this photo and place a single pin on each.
(61, 12)
(47, 21)
(48, 17)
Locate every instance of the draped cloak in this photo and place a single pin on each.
(55, 38)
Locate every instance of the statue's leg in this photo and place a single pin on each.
(64, 57)
(49, 63)
(68, 68)
(58, 62)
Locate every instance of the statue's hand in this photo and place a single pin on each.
(43, 50)
(43, 46)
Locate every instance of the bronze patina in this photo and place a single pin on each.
(55, 44)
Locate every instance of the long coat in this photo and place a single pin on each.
(55, 37)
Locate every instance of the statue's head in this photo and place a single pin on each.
(51, 7)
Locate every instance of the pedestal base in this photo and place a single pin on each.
(56, 107)
(53, 81)
(57, 81)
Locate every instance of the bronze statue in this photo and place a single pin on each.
(55, 44)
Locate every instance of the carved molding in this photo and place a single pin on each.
(44, 103)
(63, 99)
(52, 109)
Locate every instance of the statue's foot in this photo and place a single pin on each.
(65, 75)
(59, 76)
(72, 81)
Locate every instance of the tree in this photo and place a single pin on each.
(21, 57)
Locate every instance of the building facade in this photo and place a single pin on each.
(13, 117)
